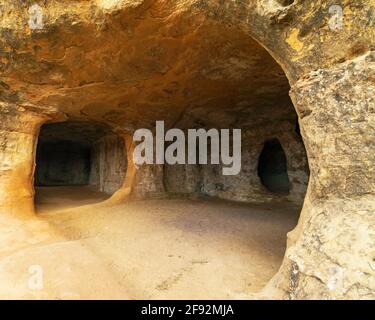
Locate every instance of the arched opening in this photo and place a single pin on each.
(229, 243)
(77, 163)
(272, 167)
(263, 202)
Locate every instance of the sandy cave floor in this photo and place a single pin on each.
(159, 249)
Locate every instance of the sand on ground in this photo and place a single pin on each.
(78, 248)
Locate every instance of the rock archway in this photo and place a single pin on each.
(79, 157)
(130, 64)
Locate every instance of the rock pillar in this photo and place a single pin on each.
(19, 129)
(331, 253)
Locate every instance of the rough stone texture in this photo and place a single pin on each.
(208, 63)
(208, 179)
(189, 181)
(336, 228)
(128, 63)
(148, 182)
(81, 153)
(108, 164)
(247, 185)
(19, 129)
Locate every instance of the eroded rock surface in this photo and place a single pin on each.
(336, 227)
(203, 64)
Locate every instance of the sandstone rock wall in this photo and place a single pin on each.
(210, 62)
(246, 186)
(108, 164)
(337, 224)
(19, 129)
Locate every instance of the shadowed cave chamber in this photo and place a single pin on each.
(272, 167)
(194, 233)
(78, 162)
(189, 215)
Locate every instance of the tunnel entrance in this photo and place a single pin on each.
(272, 167)
(230, 85)
(78, 162)
(63, 163)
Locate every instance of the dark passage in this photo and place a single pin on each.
(78, 153)
(63, 163)
(272, 167)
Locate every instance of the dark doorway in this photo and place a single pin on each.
(77, 162)
(63, 163)
(272, 167)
